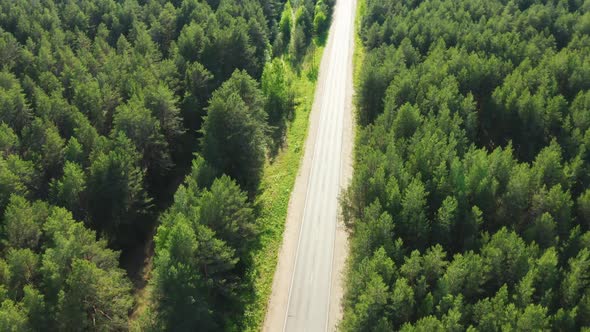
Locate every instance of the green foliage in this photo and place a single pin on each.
(22, 223)
(102, 106)
(285, 28)
(303, 20)
(321, 18)
(470, 168)
(367, 302)
(9, 141)
(301, 32)
(413, 217)
(46, 146)
(115, 191)
(279, 105)
(12, 318)
(276, 87)
(234, 129)
(69, 282)
(380, 67)
(17, 176)
(94, 298)
(201, 248)
(14, 109)
(179, 289)
(68, 191)
(135, 121)
(161, 101)
(191, 42)
(233, 220)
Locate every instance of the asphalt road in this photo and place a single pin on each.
(308, 304)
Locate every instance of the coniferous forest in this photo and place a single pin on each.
(117, 116)
(132, 129)
(470, 203)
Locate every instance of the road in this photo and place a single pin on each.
(307, 288)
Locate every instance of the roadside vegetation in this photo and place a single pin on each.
(469, 202)
(222, 279)
(277, 183)
(117, 117)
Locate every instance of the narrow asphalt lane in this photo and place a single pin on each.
(308, 304)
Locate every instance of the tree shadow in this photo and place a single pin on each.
(279, 125)
(322, 38)
(278, 134)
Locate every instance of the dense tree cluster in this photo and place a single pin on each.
(55, 275)
(102, 105)
(203, 244)
(298, 25)
(202, 252)
(99, 99)
(470, 201)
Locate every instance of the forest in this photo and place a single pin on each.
(469, 206)
(123, 120)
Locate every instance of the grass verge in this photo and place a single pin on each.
(276, 186)
(357, 63)
(359, 50)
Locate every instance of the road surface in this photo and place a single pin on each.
(307, 287)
